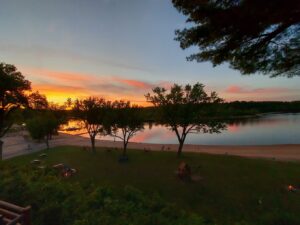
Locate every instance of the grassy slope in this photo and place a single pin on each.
(232, 187)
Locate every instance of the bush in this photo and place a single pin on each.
(56, 201)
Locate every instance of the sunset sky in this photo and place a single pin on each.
(116, 49)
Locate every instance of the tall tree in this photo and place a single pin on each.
(38, 101)
(92, 112)
(43, 126)
(68, 103)
(126, 121)
(184, 110)
(252, 35)
(13, 87)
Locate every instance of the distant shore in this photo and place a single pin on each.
(18, 145)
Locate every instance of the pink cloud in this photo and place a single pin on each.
(134, 83)
(57, 84)
(233, 128)
(235, 89)
(72, 78)
(60, 76)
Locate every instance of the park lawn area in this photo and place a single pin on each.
(231, 189)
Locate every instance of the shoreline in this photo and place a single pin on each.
(18, 145)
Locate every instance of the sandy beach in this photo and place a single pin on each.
(15, 145)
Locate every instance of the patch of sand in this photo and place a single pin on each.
(18, 145)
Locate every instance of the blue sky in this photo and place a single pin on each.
(116, 49)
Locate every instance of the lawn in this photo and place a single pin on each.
(232, 188)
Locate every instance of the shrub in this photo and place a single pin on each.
(56, 201)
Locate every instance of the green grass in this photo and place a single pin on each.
(232, 189)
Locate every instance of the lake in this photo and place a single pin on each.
(264, 130)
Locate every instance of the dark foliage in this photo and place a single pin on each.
(43, 126)
(55, 201)
(241, 107)
(125, 122)
(12, 94)
(252, 35)
(93, 113)
(186, 110)
(37, 101)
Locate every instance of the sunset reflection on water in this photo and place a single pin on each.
(268, 129)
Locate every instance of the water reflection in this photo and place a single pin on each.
(268, 129)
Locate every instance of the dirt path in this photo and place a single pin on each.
(18, 145)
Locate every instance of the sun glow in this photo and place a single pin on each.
(60, 95)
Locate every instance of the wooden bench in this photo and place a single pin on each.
(11, 214)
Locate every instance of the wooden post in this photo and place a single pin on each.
(1, 220)
(14, 213)
(1, 151)
(26, 216)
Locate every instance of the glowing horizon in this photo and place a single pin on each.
(61, 85)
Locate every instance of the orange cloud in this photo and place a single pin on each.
(60, 93)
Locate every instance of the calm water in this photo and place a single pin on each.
(268, 129)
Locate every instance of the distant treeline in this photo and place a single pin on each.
(235, 109)
(266, 107)
(223, 110)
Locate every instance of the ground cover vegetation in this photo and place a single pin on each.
(233, 190)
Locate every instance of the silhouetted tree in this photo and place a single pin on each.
(68, 104)
(37, 101)
(92, 111)
(42, 126)
(252, 35)
(183, 109)
(126, 121)
(12, 96)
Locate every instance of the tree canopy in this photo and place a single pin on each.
(251, 35)
(92, 111)
(38, 101)
(13, 86)
(185, 110)
(125, 121)
(43, 125)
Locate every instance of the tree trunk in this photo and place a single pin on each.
(125, 148)
(179, 151)
(47, 142)
(93, 144)
(1, 149)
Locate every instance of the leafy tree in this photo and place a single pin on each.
(184, 110)
(68, 104)
(13, 86)
(126, 121)
(252, 35)
(38, 101)
(92, 112)
(42, 126)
